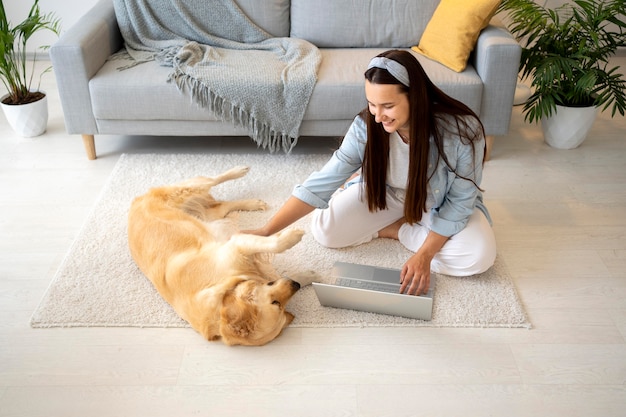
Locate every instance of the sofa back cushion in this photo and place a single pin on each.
(270, 15)
(361, 23)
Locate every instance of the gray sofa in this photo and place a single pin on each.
(98, 99)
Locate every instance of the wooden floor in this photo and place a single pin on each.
(560, 221)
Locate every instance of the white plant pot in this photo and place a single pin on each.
(28, 120)
(568, 127)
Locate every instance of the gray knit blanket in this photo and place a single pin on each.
(226, 63)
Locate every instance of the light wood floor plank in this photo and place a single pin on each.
(491, 400)
(593, 364)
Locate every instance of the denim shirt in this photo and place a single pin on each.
(454, 198)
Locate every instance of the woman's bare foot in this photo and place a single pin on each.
(391, 231)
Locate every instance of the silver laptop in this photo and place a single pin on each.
(373, 289)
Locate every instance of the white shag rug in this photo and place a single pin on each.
(98, 283)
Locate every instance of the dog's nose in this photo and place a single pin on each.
(295, 285)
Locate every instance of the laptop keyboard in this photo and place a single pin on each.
(368, 285)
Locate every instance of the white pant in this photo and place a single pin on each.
(348, 222)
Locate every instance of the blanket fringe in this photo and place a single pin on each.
(264, 136)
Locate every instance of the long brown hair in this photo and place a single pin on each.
(430, 110)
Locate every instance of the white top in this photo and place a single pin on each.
(398, 169)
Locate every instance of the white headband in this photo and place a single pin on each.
(394, 68)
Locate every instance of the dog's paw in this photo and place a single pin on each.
(286, 239)
(292, 235)
(259, 205)
(305, 278)
(239, 171)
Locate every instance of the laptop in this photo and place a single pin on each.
(373, 289)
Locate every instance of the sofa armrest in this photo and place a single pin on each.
(77, 56)
(496, 60)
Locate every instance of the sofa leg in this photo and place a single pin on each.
(489, 145)
(90, 146)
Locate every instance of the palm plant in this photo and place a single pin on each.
(567, 52)
(14, 71)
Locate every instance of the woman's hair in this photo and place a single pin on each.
(432, 114)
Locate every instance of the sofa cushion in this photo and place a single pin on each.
(340, 89)
(270, 15)
(452, 32)
(361, 24)
(140, 93)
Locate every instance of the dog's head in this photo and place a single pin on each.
(253, 313)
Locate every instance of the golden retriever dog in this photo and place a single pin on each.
(219, 280)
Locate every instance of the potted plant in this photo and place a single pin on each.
(566, 59)
(22, 104)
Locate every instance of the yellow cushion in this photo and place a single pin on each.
(451, 34)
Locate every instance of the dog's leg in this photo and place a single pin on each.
(205, 183)
(231, 174)
(222, 208)
(250, 244)
(215, 210)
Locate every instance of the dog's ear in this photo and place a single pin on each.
(237, 318)
(290, 318)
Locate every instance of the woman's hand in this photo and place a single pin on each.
(415, 275)
(293, 209)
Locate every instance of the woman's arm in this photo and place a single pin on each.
(318, 188)
(293, 210)
(457, 205)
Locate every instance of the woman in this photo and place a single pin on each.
(415, 156)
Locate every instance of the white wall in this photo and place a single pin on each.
(69, 11)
